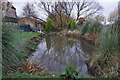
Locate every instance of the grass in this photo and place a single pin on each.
(31, 75)
(108, 40)
(26, 39)
(28, 35)
(31, 41)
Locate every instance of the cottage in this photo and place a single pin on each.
(35, 24)
(9, 13)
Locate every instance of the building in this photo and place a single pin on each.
(9, 13)
(35, 24)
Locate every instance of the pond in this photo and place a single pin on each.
(56, 51)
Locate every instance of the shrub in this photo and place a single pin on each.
(11, 48)
(48, 25)
(72, 25)
(84, 28)
(90, 27)
(94, 26)
(69, 24)
(76, 26)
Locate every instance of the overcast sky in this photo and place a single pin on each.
(108, 5)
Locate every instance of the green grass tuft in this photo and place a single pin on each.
(12, 55)
(108, 40)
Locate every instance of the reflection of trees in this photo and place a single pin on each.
(48, 43)
(70, 43)
(60, 48)
(86, 47)
(59, 44)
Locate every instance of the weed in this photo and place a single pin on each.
(70, 72)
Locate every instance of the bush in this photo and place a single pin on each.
(90, 27)
(11, 48)
(108, 40)
(77, 26)
(48, 25)
(84, 28)
(94, 26)
(72, 25)
(69, 24)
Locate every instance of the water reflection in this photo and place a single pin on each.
(56, 51)
(48, 43)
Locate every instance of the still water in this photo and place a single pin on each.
(56, 51)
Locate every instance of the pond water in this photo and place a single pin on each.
(56, 51)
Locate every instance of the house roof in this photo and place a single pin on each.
(35, 20)
(12, 6)
(10, 19)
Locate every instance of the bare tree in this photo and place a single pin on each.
(67, 8)
(52, 8)
(29, 10)
(84, 7)
(45, 6)
(56, 8)
(87, 8)
(61, 8)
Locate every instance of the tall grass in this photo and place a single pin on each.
(108, 40)
(12, 55)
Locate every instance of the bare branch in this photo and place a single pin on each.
(87, 7)
(29, 10)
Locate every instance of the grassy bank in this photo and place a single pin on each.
(26, 36)
(30, 41)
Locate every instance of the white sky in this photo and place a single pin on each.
(108, 5)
